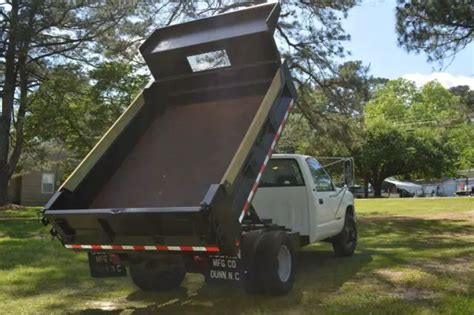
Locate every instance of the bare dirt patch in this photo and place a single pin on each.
(465, 216)
(406, 276)
(459, 266)
(413, 294)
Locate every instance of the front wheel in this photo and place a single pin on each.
(344, 244)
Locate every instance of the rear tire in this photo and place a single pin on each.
(251, 277)
(158, 273)
(278, 262)
(345, 243)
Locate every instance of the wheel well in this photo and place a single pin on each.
(350, 210)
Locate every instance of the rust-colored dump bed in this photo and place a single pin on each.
(183, 152)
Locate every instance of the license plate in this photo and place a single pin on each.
(223, 268)
(102, 265)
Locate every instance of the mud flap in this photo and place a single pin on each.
(103, 265)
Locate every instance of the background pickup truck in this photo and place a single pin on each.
(186, 180)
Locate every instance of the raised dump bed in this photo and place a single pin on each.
(178, 169)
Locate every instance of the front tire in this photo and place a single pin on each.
(161, 273)
(345, 243)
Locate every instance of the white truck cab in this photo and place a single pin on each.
(296, 192)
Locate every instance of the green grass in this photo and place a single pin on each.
(413, 258)
(414, 206)
(27, 212)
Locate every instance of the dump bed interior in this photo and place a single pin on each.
(182, 153)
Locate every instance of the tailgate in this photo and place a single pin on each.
(181, 229)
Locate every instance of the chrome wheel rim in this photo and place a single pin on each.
(284, 263)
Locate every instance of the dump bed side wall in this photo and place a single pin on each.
(233, 200)
(245, 147)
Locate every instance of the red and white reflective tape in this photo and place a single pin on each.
(248, 202)
(137, 248)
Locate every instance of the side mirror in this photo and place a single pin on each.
(349, 172)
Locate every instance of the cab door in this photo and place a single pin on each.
(324, 199)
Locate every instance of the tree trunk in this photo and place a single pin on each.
(15, 66)
(20, 120)
(378, 189)
(366, 187)
(4, 168)
(8, 98)
(4, 178)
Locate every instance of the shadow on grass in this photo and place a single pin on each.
(393, 240)
(319, 273)
(403, 238)
(36, 265)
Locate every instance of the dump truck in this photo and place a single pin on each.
(175, 185)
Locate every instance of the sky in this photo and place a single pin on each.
(371, 25)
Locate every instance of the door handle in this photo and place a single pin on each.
(321, 201)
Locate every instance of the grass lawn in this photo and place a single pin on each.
(415, 256)
(27, 213)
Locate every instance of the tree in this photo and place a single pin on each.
(35, 35)
(466, 98)
(439, 28)
(446, 116)
(332, 113)
(410, 132)
(332, 122)
(309, 33)
(462, 135)
(387, 151)
(78, 107)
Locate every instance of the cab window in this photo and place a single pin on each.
(282, 173)
(320, 177)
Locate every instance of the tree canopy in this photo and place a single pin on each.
(430, 119)
(439, 28)
(387, 151)
(75, 65)
(401, 131)
(35, 36)
(73, 108)
(331, 119)
(42, 41)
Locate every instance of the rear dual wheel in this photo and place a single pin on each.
(270, 268)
